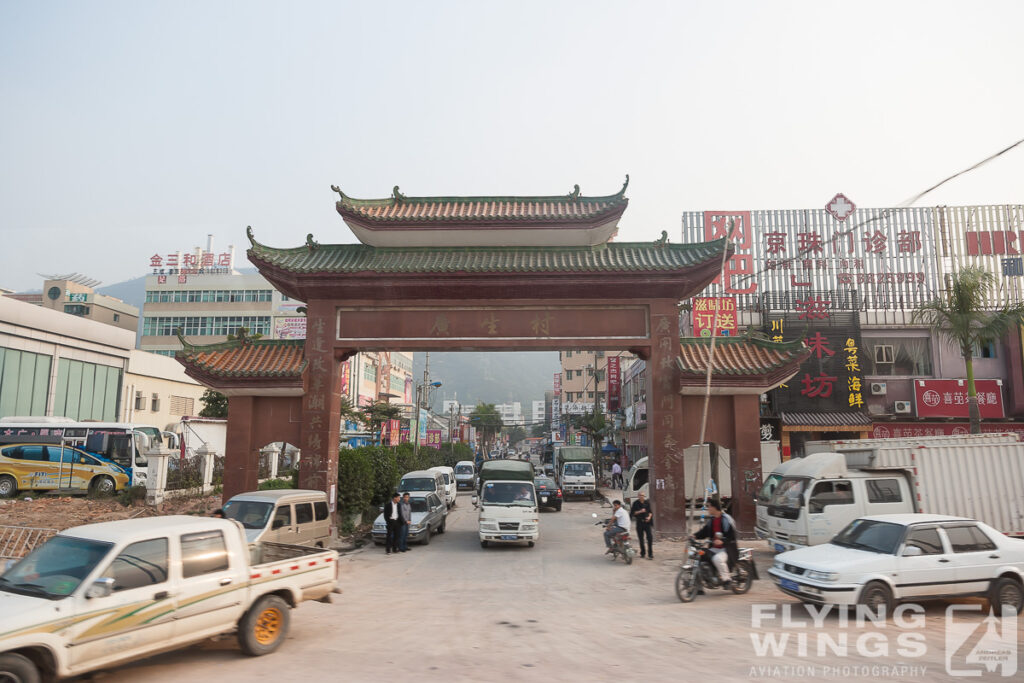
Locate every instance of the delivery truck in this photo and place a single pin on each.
(574, 471)
(979, 477)
(507, 503)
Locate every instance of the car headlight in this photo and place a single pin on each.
(417, 527)
(778, 564)
(822, 576)
(799, 540)
(378, 526)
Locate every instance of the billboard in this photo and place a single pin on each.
(614, 384)
(714, 315)
(556, 412)
(990, 237)
(290, 328)
(888, 255)
(948, 397)
(896, 430)
(346, 378)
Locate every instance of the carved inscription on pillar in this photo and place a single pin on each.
(664, 426)
(321, 407)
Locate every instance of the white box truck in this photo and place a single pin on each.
(574, 471)
(976, 477)
(507, 501)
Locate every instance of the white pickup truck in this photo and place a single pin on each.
(98, 595)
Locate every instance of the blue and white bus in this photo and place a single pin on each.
(120, 442)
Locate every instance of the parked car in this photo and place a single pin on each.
(28, 466)
(465, 474)
(429, 515)
(296, 516)
(883, 559)
(450, 490)
(99, 595)
(548, 493)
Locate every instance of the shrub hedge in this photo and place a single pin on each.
(368, 475)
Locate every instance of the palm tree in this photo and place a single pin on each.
(594, 424)
(376, 413)
(960, 316)
(487, 421)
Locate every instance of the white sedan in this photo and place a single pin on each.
(880, 560)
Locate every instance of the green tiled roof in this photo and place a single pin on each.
(266, 358)
(746, 354)
(610, 257)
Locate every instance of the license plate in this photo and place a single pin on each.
(779, 548)
(543, 499)
(789, 585)
(509, 537)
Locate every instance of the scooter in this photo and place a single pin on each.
(698, 571)
(620, 543)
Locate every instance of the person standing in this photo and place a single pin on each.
(393, 520)
(643, 514)
(405, 510)
(616, 475)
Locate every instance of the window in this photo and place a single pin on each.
(140, 564)
(640, 478)
(321, 511)
(203, 553)
(303, 513)
(76, 309)
(987, 350)
(200, 326)
(884, 491)
(968, 539)
(283, 515)
(155, 402)
(117, 318)
(926, 539)
(140, 401)
(827, 493)
(898, 356)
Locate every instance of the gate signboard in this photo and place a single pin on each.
(948, 397)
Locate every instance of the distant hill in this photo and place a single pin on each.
(478, 377)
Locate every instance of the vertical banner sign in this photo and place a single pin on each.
(394, 432)
(556, 416)
(346, 378)
(614, 384)
(714, 314)
(424, 417)
(408, 390)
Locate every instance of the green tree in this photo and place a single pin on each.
(348, 413)
(215, 404)
(488, 423)
(962, 317)
(515, 434)
(376, 413)
(596, 426)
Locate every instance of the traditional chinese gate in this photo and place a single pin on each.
(536, 273)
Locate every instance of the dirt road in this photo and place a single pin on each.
(452, 611)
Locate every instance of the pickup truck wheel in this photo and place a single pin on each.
(8, 487)
(1006, 597)
(265, 626)
(18, 669)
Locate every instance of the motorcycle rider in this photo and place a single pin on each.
(619, 523)
(724, 551)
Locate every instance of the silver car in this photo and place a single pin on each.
(429, 514)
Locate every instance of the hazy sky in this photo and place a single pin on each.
(134, 128)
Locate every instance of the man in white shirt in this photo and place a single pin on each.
(616, 475)
(619, 523)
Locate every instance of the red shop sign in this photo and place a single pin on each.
(948, 397)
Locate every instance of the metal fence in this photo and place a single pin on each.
(18, 541)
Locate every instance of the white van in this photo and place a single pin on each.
(465, 474)
(450, 485)
(294, 516)
(423, 480)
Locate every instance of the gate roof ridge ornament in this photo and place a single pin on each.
(489, 220)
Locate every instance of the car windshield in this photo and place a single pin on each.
(790, 492)
(464, 469)
(871, 535)
(55, 569)
(507, 493)
(418, 504)
(252, 514)
(768, 488)
(544, 483)
(578, 469)
(417, 484)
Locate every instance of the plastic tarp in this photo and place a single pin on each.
(510, 470)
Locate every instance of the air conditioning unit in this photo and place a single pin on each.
(878, 388)
(902, 407)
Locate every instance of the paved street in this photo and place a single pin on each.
(562, 611)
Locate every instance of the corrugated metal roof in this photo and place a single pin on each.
(825, 419)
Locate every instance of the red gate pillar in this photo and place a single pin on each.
(321, 403)
(664, 426)
(745, 460)
(241, 459)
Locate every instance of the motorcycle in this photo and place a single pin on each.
(698, 571)
(620, 544)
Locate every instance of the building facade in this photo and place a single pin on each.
(158, 392)
(75, 294)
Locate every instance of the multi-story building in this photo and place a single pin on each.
(75, 294)
(511, 413)
(537, 413)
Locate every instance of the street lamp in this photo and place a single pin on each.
(422, 394)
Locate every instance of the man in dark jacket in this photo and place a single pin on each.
(644, 516)
(393, 520)
(724, 551)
